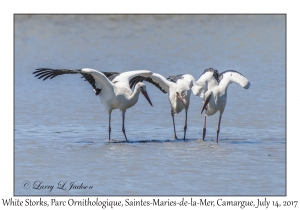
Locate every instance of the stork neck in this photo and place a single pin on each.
(135, 95)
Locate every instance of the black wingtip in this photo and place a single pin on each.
(97, 91)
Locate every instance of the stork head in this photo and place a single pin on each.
(142, 87)
(181, 96)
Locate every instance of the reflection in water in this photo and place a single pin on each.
(61, 126)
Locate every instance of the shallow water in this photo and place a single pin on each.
(61, 126)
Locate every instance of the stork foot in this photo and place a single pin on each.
(125, 134)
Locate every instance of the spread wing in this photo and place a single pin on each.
(97, 79)
(111, 75)
(156, 79)
(175, 78)
(232, 76)
(126, 76)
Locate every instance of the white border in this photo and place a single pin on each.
(113, 6)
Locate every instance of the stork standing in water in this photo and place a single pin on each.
(112, 87)
(179, 90)
(212, 86)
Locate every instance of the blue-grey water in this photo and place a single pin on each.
(61, 127)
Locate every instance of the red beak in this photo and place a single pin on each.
(147, 97)
(205, 103)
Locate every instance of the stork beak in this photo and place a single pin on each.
(179, 96)
(205, 103)
(147, 97)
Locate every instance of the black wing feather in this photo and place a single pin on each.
(111, 75)
(221, 74)
(231, 71)
(175, 78)
(46, 73)
(133, 81)
(108, 74)
(43, 74)
(214, 71)
(50, 75)
(40, 73)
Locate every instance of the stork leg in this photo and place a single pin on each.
(172, 113)
(204, 128)
(123, 127)
(218, 129)
(205, 108)
(185, 125)
(109, 128)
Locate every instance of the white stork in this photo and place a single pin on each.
(179, 90)
(212, 87)
(112, 87)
